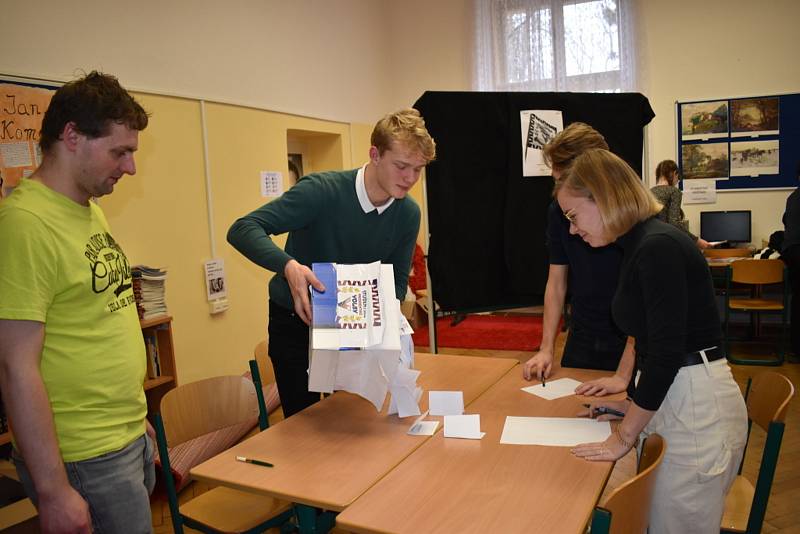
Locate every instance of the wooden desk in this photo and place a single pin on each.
(330, 453)
(455, 485)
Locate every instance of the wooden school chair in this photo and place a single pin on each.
(627, 509)
(757, 274)
(198, 409)
(768, 397)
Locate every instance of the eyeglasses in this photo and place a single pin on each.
(571, 216)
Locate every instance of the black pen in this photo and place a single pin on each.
(542, 378)
(254, 462)
(601, 410)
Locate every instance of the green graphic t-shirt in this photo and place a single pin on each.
(59, 265)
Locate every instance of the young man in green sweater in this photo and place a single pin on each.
(356, 216)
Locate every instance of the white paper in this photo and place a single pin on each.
(271, 183)
(538, 128)
(15, 154)
(554, 431)
(699, 191)
(423, 428)
(562, 387)
(216, 288)
(446, 402)
(405, 393)
(463, 426)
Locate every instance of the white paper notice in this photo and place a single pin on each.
(271, 183)
(463, 426)
(538, 128)
(553, 390)
(699, 191)
(553, 431)
(446, 402)
(15, 155)
(216, 288)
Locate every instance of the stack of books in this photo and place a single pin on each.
(148, 288)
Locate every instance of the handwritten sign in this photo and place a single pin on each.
(21, 112)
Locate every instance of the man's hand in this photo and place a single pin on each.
(539, 365)
(602, 386)
(299, 278)
(64, 513)
(702, 243)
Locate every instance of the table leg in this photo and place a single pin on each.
(313, 520)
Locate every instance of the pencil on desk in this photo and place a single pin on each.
(254, 462)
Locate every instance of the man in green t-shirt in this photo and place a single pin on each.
(356, 216)
(72, 359)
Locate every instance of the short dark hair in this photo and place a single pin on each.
(92, 103)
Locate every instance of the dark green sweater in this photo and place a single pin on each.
(326, 224)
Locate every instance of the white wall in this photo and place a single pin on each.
(717, 49)
(317, 58)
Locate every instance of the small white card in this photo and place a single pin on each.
(562, 387)
(423, 428)
(463, 426)
(446, 402)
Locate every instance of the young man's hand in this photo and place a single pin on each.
(539, 365)
(299, 277)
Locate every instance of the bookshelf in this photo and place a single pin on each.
(159, 331)
(154, 388)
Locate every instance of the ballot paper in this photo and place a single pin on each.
(423, 428)
(446, 402)
(355, 338)
(463, 426)
(554, 431)
(562, 387)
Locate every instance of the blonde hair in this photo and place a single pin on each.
(570, 143)
(621, 198)
(406, 127)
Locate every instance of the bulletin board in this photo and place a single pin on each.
(22, 107)
(743, 143)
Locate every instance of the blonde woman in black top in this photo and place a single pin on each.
(667, 193)
(665, 301)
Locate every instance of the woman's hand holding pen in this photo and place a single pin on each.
(606, 410)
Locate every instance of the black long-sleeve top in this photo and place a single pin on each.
(665, 300)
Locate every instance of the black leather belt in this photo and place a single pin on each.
(693, 358)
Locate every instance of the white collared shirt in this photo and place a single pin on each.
(363, 198)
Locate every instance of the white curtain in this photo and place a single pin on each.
(554, 45)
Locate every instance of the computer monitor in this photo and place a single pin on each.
(730, 226)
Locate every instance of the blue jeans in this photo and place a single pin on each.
(116, 485)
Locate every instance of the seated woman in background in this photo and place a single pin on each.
(665, 300)
(667, 193)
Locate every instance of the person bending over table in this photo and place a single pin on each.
(594, 341)
(685, 391)
(355, 216)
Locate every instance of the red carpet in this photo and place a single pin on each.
(485, 332)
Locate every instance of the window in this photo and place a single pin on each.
(553, 45)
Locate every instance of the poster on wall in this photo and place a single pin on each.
(538, 128)
(753, 158)
(22, 109)
(704, 120)
(705, 161)
(751, 117)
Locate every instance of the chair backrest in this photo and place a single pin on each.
(264, 363)
(629, 504)
(727, 253)
(195, 409)
(768, 399)
(757, 271)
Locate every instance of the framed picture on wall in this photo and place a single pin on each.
(752, 117)
(704, 161)
(704, 120)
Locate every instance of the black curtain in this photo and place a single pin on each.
(486, 221)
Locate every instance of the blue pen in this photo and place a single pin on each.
(601, 410)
